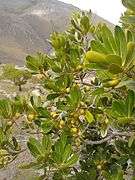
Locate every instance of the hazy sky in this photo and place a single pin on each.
(108, 9)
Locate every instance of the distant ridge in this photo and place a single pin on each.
(25, 25)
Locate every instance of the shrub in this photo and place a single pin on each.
(86, 125)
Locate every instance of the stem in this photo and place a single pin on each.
(100, 141)
(37, 133)
(20, 87)
(113, 135)
(86, 84)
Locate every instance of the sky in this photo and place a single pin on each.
(108, 9)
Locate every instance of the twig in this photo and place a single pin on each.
(100, 141)
(36, 133)
(86, 84)
(113, 135)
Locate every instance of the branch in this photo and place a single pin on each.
(113, 135)
(86, 84)
(100, 141)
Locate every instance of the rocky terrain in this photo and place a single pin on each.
(25, 26)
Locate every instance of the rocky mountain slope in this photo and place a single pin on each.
(25, 26)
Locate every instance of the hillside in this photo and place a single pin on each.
(26, 25)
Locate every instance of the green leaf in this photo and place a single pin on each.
(130, 84)
(130, 53)
(98, 46)
(104, 75)
(119, 108)
(89, 117)
(18, 76)
(91, 174)
(59, 148)
(35, 147)
(46, 143)
(2, 136)
(109, 40)
(130, 102)
(37, 63)
(121, 42)
(62, 82)
(47, 126)
(102, 61)
(52, 96)
(62, 155)
(98, 59)
(129, 36)
(43, 112)
(72, 160)
(31, 63)
(119, 175)
(74, 97)
(50, 85)
(33, 150)
(116, 175)
(128, 19)
(114, 59)
(67, 153)
(105, 39)
(98, 91)
(124, 108)
(57, 40)
(115, 69)
(85, 24)
(131, 140)
(125, 120)
(29, 165)
(54, 65)
(6, 110)
(95, 57)
(130, 4)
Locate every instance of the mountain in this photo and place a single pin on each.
(25, 26)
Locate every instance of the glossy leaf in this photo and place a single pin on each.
(121, 42)
(89, 117)
(74, 97)
(35, 147)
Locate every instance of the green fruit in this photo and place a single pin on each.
(77, 142)
(67, 90)
(106, 121)
(81, 111)
(9, 123)
(39, 76)
(17, 115)
(79, 68)
(99, 167)
(82, 103)
(31, 116)
(62, 123)
(3, 152)
(54, 114)
(74, 130)
(87, 88)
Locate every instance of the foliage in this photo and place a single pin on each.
(128, 19)
(17, 76)
(86, 126)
